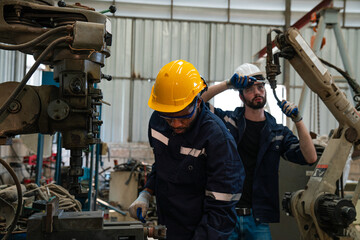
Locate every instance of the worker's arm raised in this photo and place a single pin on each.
(235, 82)
(214, 90)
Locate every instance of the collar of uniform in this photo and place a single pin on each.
(239, 112)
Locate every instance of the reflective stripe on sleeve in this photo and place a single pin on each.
(292, 146)
(230, 120)
(192, 151)
(223, 196)
(277, 138)
(155, 134)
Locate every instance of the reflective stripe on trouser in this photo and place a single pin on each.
(247, 229)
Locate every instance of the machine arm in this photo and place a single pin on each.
(319, 213)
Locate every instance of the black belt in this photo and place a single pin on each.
(243, 211)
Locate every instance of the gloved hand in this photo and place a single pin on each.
(290, 110)
(238, 82)
(142, 202)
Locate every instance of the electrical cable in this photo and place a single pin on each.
(67, 202)
(342, 186)
(103, 170)
(36, 40)
(276, 97)
(352, 82)
(33, 68)
(131, 173)
(349, 79)
(20, 199)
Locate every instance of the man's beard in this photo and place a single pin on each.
(256, 105)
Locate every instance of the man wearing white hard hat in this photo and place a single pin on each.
(261, 142)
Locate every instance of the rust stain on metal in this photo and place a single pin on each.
(135, 75)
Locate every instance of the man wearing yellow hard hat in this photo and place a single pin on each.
(197, 176)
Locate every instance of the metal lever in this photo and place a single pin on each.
(111, 9)
(107, 77)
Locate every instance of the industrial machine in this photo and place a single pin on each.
(73, 41)
(319, 212)
(57, 224)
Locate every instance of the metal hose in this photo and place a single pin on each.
(36, 40)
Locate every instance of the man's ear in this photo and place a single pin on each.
(199, 101)
(241, 97)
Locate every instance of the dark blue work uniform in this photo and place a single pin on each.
(276, 140)
(197, 177)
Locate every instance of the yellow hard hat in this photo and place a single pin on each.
(176, 86)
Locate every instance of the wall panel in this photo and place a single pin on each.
(142, 46)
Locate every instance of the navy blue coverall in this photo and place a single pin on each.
(197, 178)
(276, 141)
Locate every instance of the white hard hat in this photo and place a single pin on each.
(248, 69)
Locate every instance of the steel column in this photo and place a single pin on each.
(97, 162)
(39, 158)
(58, 159)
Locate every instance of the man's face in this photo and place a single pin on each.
(181, 121)
(254, 96)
